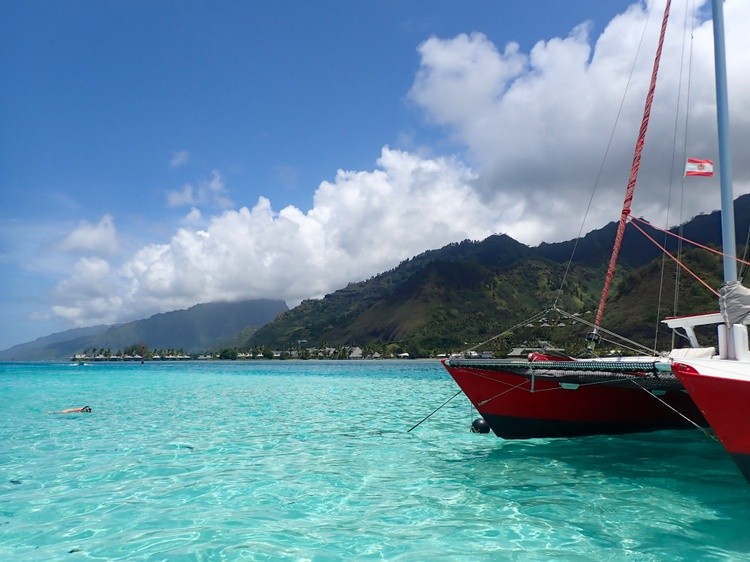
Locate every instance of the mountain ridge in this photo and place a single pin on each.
(456, 296)
(442, 298)
(197, 328)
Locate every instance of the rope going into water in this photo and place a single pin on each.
(433, 412)
(676, 411)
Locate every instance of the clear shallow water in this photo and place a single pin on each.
(312, 461)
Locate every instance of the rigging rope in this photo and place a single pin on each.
(529, 320)
(672, 167)
(744, 254)
(629, 192)
(601, 167)
(678, 262)
(689, 241)
(522, 385)
(620, 340)
(689, 9)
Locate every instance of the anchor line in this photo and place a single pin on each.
(676, 411)
(434, 411)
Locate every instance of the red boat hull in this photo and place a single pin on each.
(515, 410)
(724, 402)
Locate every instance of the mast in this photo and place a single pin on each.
(725, 165)
(593, 337)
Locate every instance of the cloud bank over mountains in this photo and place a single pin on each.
(535, 128)
(361, 224)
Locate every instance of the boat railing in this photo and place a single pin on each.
(733, 339)
(688, 323)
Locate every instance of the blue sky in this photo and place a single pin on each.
(154, 155)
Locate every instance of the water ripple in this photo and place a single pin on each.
(312, 461)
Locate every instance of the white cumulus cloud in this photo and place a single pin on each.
(92, 239)
(535, 127)
(90, 295)
(536, 124)
(361, 224)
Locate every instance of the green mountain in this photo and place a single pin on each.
(466, 293)
(434, 302)
(199, 328)
(51, 347)
(445, 300)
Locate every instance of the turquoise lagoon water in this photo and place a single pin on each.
(312, 461)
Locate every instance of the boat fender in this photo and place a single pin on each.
(479, 425)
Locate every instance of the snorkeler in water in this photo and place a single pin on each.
(82, 409)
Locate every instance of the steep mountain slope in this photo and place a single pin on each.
(198, 328)
(52, 346)
(645, 296)
(468, 292)
(441, 304)
(457, 295)
(596, 246)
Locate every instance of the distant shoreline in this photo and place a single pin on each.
(263, 360)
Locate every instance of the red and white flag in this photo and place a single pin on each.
(696, 167)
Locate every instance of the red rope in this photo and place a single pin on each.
(678, 262)
(693, 242)
(633, 172)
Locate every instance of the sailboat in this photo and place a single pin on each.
(549, 394)
(720, 385)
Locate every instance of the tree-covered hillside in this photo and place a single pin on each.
(463, 294)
